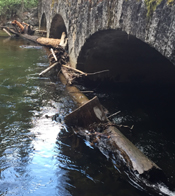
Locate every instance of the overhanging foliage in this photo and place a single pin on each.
(14, 5)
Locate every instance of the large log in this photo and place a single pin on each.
(89, 112)
(78, 97)
(51, 42)
(92, 112)
(107, 137)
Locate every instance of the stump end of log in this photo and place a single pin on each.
(87, 114)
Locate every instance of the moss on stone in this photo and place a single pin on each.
(53, 2)
(152, 5)
(170, 2)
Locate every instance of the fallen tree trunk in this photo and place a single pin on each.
(50, 42)
(90, 122)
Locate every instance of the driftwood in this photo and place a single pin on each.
(66, 75)
(98, 72)
(114, 114)
(58, 52)
(75, 70)
(53, 53)
(91, 111)
(21, 27)
(5, 30)
(78, 97)
(51, 42)
(40, 31)
(27, 33)
(89, 121)
(48, 69)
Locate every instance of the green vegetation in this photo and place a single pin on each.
(152, 5)
(9, 8)
(170, 2)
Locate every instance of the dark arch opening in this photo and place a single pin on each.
(145, 90)
(43, 22)
(57, 27)
(128, 59)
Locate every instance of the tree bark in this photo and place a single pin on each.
(109, 140)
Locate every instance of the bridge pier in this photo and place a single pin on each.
(83, 19)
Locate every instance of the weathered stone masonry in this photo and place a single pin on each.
(83, 18)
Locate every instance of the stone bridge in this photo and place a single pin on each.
(135, 40)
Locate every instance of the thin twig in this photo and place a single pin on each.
(114, 114)
(42, 31)
(74, 69)
(83, 92)
(53, 53)
(48, 69)
(126, 126)
(98, 72)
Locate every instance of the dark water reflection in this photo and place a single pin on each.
(151, 109)
(38, 156)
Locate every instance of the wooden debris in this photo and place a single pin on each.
(78, 97)
(15, 22)
(87, 114)
(98, 72)
(83, 92)
(5, 30)
(48, 69)
(63, 41)
(53, 53)
(50, 42)
(75, 70)
(114, 114)
(26, 28)
(40, 31)
(67, 75)
(90, 121)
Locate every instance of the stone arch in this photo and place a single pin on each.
(127, 58)
(57, 27)
(43, 25)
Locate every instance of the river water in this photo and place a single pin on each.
(39, 156)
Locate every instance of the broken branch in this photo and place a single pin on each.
(53, 53)
(114, 114)
(74, 69)
(98, 72)
(48, 69)
(6, 32)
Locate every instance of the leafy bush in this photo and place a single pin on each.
(10, 7)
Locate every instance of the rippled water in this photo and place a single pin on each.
(38, 155)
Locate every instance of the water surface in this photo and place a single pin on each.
(39, 156)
